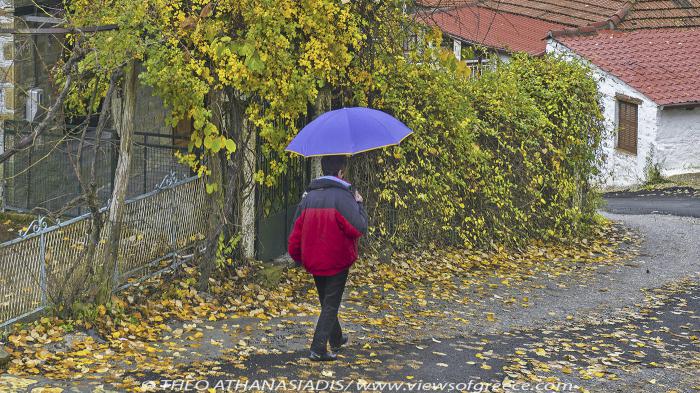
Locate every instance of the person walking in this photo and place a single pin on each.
(327, 227)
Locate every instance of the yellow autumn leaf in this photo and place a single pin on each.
(46, 390)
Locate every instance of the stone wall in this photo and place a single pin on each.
(7, 101)
(25, 63)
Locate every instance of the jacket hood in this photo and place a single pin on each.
(327, 182)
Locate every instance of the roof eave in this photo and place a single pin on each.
(608, 24)
(689, 104)
(502, 50)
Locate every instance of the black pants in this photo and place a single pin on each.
(330, 293)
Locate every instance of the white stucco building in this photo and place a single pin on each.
(650, 83)
(645, 55)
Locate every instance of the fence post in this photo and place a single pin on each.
(173, 234)
(39, 226)
(145, 162)
(168, 182)
(42, 256)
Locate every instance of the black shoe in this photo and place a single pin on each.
(343, 341)
(322, 357)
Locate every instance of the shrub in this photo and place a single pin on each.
(502, 159)
(652, 169)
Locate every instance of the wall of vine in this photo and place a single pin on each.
(498, 160)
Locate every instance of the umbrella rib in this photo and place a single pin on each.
(322, 119)
(386, 130)
(347, 120)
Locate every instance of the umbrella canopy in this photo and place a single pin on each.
(348, 131)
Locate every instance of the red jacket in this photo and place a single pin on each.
(327, 226)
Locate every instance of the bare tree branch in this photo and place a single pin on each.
(53, 110)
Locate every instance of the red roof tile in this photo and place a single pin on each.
(498, 30)
(652, 14)
(660, 63)
(571, 13)
(643, 14)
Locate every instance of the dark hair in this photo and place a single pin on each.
(331, 165)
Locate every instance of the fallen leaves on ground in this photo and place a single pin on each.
(155, 327)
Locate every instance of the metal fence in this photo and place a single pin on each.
(43, 175)
(277, 204)
(157, 228)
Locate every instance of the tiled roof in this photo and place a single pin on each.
(638, 14)
(651, 14)
(662, 64)
(566, 12)
(494, 29)
(571, 13)
(445, 3)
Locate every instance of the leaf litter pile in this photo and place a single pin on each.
(165, 329)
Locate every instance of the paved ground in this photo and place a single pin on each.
(678, 201)
(629, 327)
(627, 351)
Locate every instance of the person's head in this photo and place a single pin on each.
(334, 165)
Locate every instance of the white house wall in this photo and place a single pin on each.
(621, 169)
(678, 141)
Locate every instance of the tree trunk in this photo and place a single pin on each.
(125, 128)
(83, 268)
(249, 147)
(234, 115)
(45, 124)
(215, 199)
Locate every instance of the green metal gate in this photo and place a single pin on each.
(276, 205)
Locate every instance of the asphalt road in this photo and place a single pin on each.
(651, 348)
(679, 201)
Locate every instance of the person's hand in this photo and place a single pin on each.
(358, 197)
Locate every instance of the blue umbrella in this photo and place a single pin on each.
(348, 131)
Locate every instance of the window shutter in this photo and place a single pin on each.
(627, 126)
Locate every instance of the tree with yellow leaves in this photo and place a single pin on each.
(238, 70)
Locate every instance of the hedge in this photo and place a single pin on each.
(502, 159)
